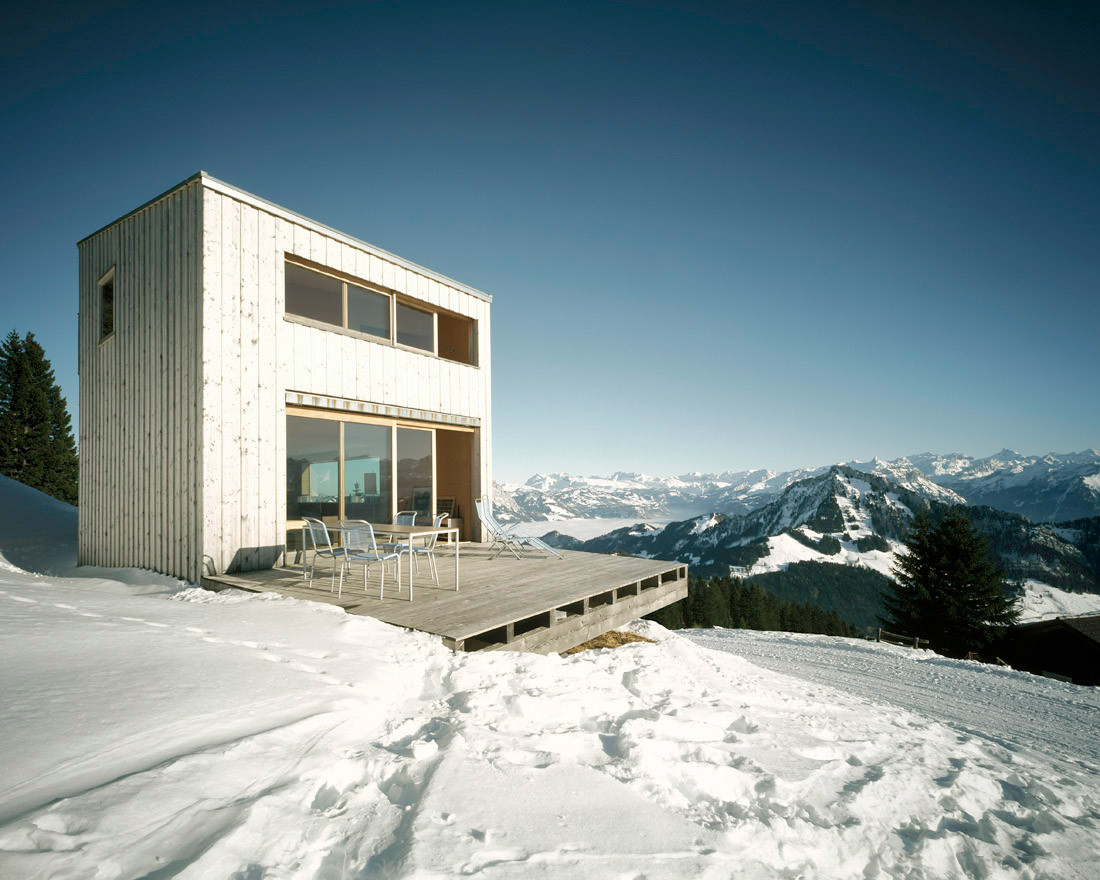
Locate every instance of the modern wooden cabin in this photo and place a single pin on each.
(242, 366)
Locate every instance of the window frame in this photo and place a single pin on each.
(344, 282)
(106, 278)
(394, 297)
(343, 418)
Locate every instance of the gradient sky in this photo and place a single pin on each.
(717, 236)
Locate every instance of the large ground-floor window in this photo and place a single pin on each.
(343, 469)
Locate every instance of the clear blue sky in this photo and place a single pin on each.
(718, 237)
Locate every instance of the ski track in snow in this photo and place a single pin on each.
(248, 737)
(1016, 709)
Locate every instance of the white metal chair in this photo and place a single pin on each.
(428, 549)
(317, 532)
(360, 547)
(514, 542)
(401, 518)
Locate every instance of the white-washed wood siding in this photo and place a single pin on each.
(183, 410)
(251, 356)
(140, 496)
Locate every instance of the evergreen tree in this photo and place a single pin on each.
(36, 437)
(717, 602)
(947, 589)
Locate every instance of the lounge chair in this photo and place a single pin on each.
(506, 539)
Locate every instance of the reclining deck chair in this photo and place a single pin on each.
(514, 542)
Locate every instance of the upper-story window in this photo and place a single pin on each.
(107, 305)
(415, 327)
(313, 295)
(331, 300)
(368, 311)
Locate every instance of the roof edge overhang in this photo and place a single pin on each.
(227, 189)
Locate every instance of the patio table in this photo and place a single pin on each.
(413, 532)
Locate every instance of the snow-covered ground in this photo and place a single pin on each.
(150, 730)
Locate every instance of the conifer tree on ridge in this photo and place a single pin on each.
(947, 588)
(36, 436)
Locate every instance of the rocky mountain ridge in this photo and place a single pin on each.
(1052, 487)
(856, 521)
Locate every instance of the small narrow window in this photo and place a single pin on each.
(107, 305)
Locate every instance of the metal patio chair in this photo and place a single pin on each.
(317, 533)
(428, 549)
(401, 518)
(360, 547)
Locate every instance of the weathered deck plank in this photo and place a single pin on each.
(494, 593)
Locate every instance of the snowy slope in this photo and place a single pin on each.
(1044, 602)
(157, 731)
(30, 516)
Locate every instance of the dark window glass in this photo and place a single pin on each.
(368, 311)
(313, 295)
(107, 308)
(312, 461)
(368, 472)
(415, 328)
(414, 473)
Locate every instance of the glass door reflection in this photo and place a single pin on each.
(414, 473)
(368, 472)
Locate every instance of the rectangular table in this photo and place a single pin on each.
(412, 532)
(409, 532)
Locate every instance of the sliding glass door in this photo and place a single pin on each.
(368, 472)
(415, 472)
(312, 467)
(337, 468)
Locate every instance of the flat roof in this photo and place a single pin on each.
(279, 211)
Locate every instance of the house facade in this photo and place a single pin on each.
(242, 366)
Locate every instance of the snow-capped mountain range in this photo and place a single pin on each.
(850, 524)
(1046, 488)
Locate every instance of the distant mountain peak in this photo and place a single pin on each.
(1053, 487)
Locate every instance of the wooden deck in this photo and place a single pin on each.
(531, 604)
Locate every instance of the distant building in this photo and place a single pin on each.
(242, 366)
(1067, 647)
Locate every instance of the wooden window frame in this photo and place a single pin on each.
(394, 298)
(393, 424)
(104, 279)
